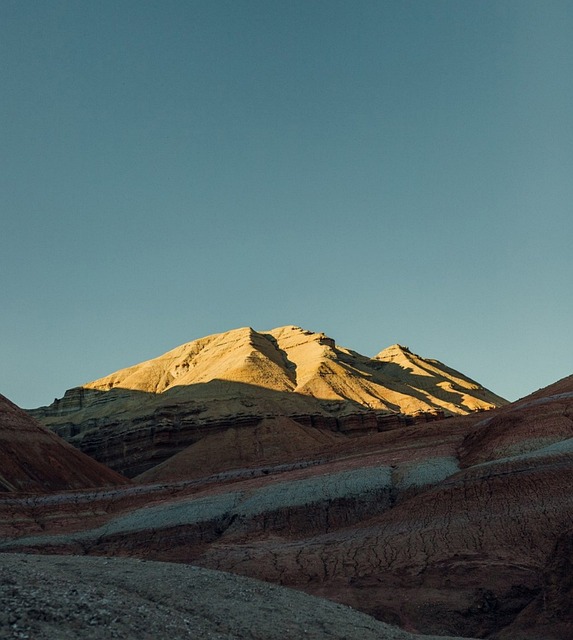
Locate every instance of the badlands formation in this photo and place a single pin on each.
(138, 417)
(453, 527)
(34, 459)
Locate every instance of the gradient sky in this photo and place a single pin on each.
(383, 171)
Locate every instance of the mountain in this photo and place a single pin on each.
(33, 459)
(138, 417)
(453, 527)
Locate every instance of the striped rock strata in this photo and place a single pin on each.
(33, 459)
(459, 527)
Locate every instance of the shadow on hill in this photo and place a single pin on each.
(226, 394)
(288, 365)
(391, 375)
(132, 430)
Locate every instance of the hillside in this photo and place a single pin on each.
(33, 459)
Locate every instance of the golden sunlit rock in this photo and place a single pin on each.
(138, 417)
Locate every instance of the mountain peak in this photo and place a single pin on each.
(393, 350)
(292, 359)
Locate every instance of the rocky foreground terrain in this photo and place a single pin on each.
(73, 598)
(140, 416)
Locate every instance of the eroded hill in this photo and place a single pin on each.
(33, 459)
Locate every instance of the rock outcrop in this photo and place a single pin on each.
(33, 459)
(138, 417)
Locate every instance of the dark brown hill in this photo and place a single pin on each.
(273, 441)
(33, 459)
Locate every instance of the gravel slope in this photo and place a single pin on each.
(65, 598)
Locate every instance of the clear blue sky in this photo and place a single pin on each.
(384, 171)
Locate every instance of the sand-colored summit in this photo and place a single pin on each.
(241, 355)
(435, 378)
(291, 359)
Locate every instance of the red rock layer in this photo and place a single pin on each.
(34, 459)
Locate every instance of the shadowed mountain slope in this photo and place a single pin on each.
(34, 459)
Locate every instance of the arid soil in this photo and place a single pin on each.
(79, 598)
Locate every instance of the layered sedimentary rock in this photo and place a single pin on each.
(273, 441)
(138, 417)
(549, 615)
(34, 459)
(461, 526)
